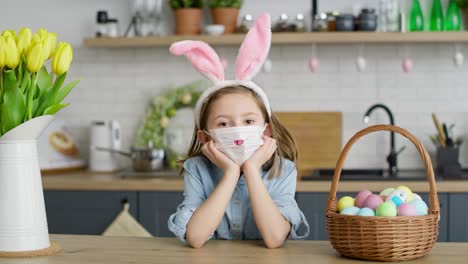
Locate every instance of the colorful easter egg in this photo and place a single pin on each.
(366, 212)
(421, 206)
(398, 197)
(407, 64)
(361, 63)
(387, 191)
(407, 209)
(361, 197)
(373, 201)
(416, 197)
(408, 190)
(386, 209)
(352, 210)
(344, 202)
(313, 64)
(458, 59)
(267, 66)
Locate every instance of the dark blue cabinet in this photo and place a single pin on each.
(85, 212)
(313, 205)
(91, 212)
(458, 217)
(155, 209)
(444, 215)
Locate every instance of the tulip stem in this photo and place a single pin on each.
(31, 93)
(1, 85)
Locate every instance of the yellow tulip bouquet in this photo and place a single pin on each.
(27, 89)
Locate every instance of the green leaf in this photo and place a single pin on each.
(43, 79)
(19, 73)
(64, 91)
(10, 80)
(48, 97)
(25, 83)
(59, 81)
(13, 109)
(35, 105)
(29, 103)
(38, 94)
(51, 110)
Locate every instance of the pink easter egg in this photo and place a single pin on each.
(373, 201)
(313, 64)
(407, 64)
(361, 197)
(407, 209)
(224, 62)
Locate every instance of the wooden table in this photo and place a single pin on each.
(98, 249)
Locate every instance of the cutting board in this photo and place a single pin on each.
(318, 136)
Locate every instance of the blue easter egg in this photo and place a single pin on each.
(421, 206)
(366, 211)
(397, 200)
(352, 210)
(398, 197)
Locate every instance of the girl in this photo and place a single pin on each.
(240, 175)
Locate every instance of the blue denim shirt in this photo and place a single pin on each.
(200, 179)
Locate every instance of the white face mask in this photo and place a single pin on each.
(238, 143)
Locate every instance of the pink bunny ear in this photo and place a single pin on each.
(203, 58)
(254, 48)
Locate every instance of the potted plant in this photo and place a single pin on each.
(225, 12)
(463, 4)
(187, 16)
(30, 96)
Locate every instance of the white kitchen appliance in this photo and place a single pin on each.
(105, 134)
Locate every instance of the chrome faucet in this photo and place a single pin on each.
(392, 156)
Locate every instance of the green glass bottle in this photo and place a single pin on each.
(453, 17)
(437, 17)
(416, 17)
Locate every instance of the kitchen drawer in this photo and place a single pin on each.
(85, 212)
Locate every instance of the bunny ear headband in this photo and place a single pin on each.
(252, 54)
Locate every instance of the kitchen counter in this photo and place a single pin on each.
(98, 249)
(92, 181)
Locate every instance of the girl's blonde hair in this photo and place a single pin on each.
(286, 145)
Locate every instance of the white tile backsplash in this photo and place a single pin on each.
(117, 83)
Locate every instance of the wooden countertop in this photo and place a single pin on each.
(98, 249)
(91, 181)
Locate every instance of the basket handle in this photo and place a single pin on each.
(434, 207)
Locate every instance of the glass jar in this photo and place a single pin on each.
(389, 16)
(246, 24)
(113, 28)
(300, 24)
(281, 24)
(331, 18)
(367, 20)
(320, 22)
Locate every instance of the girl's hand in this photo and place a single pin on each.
(220, 159)
(261, 155)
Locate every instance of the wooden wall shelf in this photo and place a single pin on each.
(288, 39)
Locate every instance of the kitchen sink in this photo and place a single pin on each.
(368, 174)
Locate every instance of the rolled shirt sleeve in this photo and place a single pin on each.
(282, 194)
(194, 196)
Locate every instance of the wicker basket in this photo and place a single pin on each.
(383, 238)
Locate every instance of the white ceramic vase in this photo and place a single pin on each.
(23, 221)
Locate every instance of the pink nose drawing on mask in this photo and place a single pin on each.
(238, 142)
